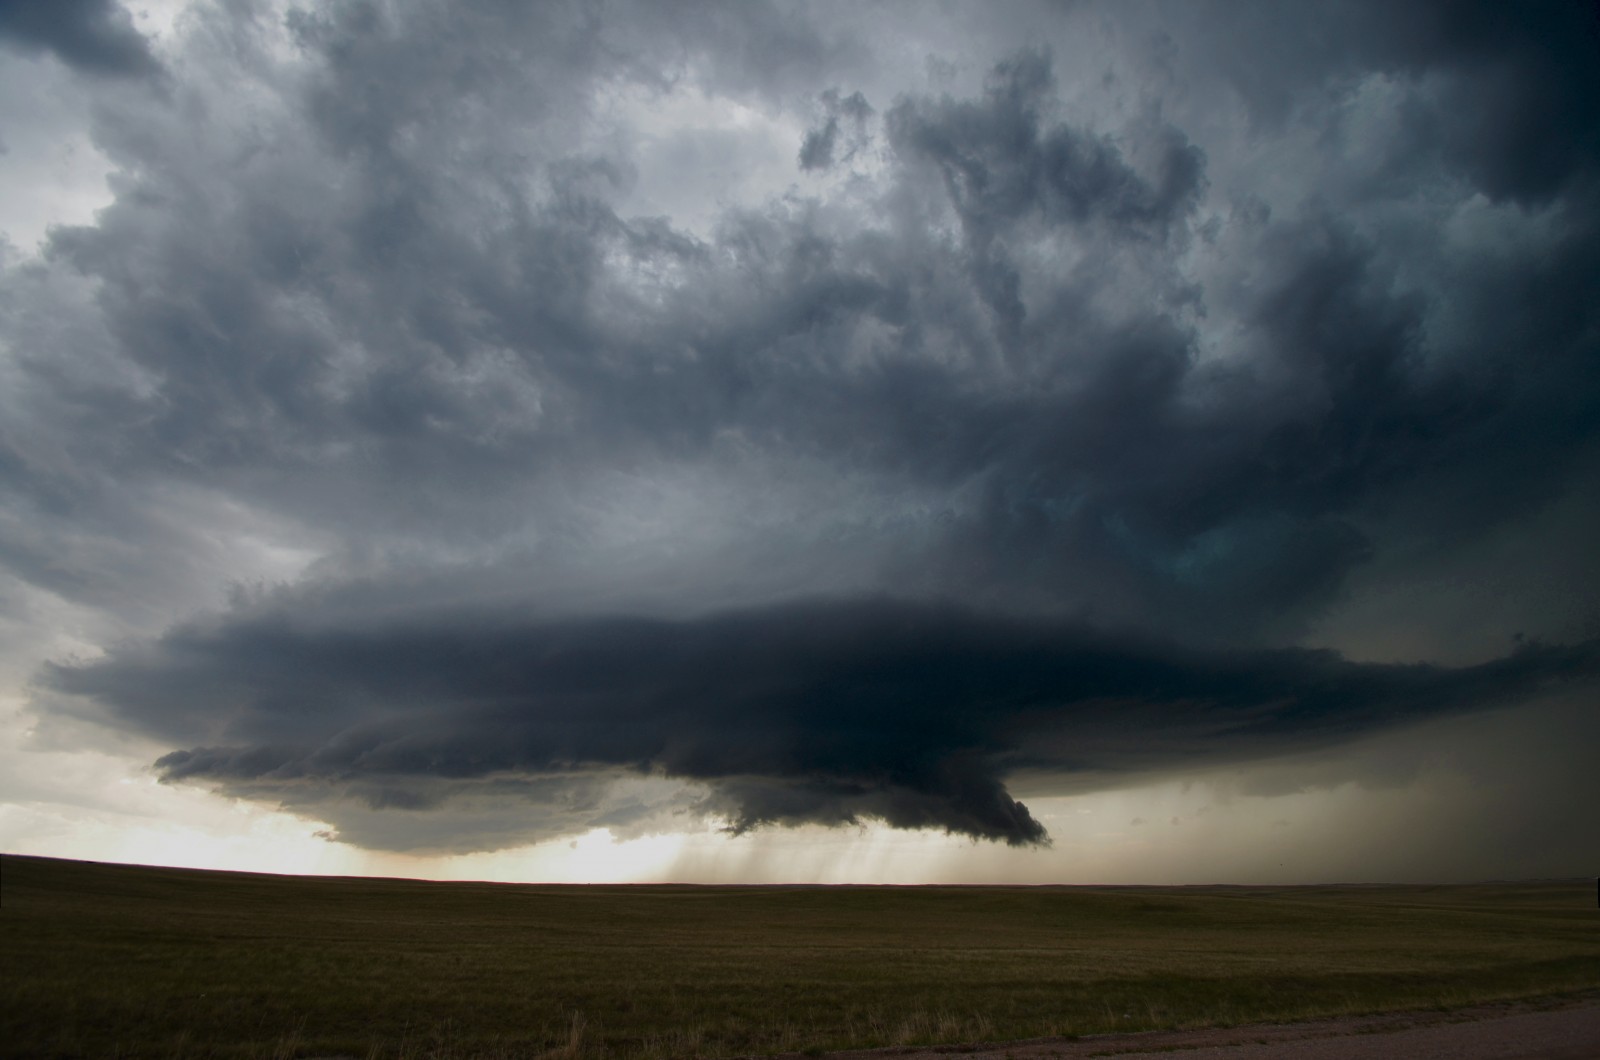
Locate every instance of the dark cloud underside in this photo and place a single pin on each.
(831, 713)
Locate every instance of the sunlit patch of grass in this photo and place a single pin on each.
(122, 961)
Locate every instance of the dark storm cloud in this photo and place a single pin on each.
(95, 36)
(827, 712)
(1522, 109)
(403, 331)
(371, 280)
(1506, 93)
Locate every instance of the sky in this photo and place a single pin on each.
(1136, 442)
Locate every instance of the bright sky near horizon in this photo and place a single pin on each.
(1146, 442)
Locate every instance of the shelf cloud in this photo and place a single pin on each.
(817, 713)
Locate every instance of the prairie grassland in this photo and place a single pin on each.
(106, 960)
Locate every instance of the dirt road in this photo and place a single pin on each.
(1564, 1030)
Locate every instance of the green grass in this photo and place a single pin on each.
(104, 960)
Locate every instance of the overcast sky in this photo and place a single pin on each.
(1132, 442)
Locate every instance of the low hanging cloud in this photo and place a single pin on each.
(826, 712)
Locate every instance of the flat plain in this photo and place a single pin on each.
(113, 960)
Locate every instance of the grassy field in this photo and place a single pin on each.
(105, 960)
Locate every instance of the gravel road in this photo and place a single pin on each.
(1560, 1030)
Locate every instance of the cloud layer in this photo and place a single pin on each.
(818, 713)
(831, 412)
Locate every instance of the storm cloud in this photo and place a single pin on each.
(472, 423)
(825, 712)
